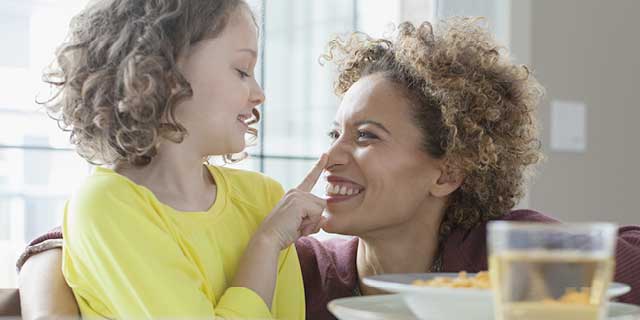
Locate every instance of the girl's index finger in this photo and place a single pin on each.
(314, 174)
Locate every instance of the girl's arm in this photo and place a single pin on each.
(299, 213)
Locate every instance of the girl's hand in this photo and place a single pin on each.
(299, 213)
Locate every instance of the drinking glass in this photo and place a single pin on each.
(551, 271)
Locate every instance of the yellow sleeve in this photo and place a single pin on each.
(275, 192)
(289, 287)
(122, 261)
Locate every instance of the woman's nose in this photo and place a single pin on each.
(338, 155)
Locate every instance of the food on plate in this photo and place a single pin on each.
(479, 281)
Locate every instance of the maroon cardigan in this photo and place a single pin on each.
(329, 267)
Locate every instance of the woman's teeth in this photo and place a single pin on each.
(335, 189)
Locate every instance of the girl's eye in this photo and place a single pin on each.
(242, 74)
(333, 135)
(366, 136)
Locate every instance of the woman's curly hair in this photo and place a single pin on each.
(116, 80)
(475, 107)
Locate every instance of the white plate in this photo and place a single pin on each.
(441, 303)
(387, 306)
(392, 306)
(398, 283)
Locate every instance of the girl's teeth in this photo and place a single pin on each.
(343, 190)
(350, 192)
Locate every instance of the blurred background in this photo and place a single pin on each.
(585, 52)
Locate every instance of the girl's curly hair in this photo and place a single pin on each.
(116, 80)
(475, 107)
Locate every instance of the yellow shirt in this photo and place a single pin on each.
(128, 256)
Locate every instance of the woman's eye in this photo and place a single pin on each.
(242, 74)
(366, 136)
(333, 135)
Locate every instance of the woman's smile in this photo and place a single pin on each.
(340, 189)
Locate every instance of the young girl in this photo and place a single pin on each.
(148, 90)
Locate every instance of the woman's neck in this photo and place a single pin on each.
(408, 248)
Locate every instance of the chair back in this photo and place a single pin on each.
(9, 303)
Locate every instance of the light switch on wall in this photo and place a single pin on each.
(568, 126)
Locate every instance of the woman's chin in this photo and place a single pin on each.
(334, 224)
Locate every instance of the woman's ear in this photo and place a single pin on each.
(448, 182)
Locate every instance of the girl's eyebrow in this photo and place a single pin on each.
(252, 52)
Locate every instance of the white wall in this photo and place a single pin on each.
(587, 50)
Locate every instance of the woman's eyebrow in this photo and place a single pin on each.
(362, 122)
(372, 122)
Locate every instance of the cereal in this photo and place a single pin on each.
(572, 296)
(479, 281)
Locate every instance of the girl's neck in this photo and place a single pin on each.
(176, 179)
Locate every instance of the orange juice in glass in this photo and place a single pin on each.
(551, 271)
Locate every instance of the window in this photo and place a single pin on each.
(38, 168)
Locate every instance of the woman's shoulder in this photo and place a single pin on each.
(519, 215)
(527, 215)
(465, 249)
(328, 271)
(328, 259)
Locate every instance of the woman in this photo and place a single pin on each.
(149, 90)
(433, 138)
